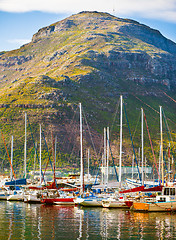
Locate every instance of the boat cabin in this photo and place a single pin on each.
(168, 194)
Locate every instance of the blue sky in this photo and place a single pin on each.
(20, 19)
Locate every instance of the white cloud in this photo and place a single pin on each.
(158, 9)
(19, 41)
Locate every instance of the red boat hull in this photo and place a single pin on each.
(58, 200)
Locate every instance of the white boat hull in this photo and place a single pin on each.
(15, 197)
(114, 204)
(90, 202)
(31, 199)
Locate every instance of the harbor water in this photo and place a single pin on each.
(19, 220)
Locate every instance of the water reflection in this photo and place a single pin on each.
(25, 221)
(81, 214)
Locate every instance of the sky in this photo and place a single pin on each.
(20, 19)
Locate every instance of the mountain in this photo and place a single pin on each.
(93, 58)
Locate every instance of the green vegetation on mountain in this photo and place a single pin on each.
(91, 58)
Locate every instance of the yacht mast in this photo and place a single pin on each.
(120, 159)
(11, 172)
(81, 149)
(161, 132)
(40, 154)
(142, 141)
(107, 172)
(25, 145)
(104, 164)
(35, 158)
(55, 158)
(88, 156)
(133, 167)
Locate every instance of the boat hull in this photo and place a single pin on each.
(15, 198)
(3, 196)
(91, 203)
(117, 204)
(114, 204)
(64, 203)
(31, 199)
(58, 201)
(154, 207)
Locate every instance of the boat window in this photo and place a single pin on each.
(172, 191)
(166, 191)
(162, 199)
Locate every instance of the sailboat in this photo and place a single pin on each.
(53, 195)
(134, 182)
(167, 200)
(86, 199)
(59, 198)
(13, 190)
(117, 200)
(18, 193)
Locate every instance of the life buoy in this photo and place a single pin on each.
(87, 194)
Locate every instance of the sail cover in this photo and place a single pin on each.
(17, 182)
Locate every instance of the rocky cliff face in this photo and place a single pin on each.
(131, 50)
(96, 42)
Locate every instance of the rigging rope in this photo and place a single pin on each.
(169, 96)
(112, 159)
(146, 104)
(115, 114)
(47, 150)
(46, 166)
(167, 128)
(151, 146)
(8, 154)
(136, 126)
(35, 149)
(90, 134)
(152, 108)
(73, 127)
(3, 159)
(27, 164)
(132, 142)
